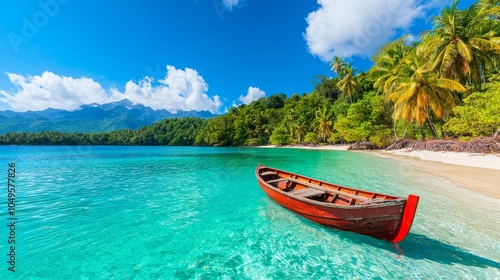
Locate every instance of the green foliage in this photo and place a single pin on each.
(479, 115)
(348, 83)
(170, 132)
(418, 83)
(382, 138)
(463, 43)
(281, 136)
(167, 132)
(323, 124)
(254, 121)
(366, 120)
(326, 87)
(255, 142)
(311, 138)
(217, 131)
(276, 101)
(340, 107)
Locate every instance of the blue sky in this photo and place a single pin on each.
(187, 54)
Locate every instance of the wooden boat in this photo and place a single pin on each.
(375, 214)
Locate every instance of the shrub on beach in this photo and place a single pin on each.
(280, 136)
(479, 115)
(255, 142)
(311, 138)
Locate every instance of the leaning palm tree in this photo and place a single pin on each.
(337, 65)
(463, 43)
(323, 124)
(348, 84)
(387, 60)
(417, 90)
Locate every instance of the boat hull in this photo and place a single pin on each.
(382, 221)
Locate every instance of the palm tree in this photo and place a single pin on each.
(348, 84)
(300, 131)
(463, 43)
(323, 125)
(417, 89)
(337, 65)
(290, 121)
(386, 62)
(257, 122)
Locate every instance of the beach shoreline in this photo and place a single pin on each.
(305, 147)
(476, 172)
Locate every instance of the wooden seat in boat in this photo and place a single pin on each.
(307, 192)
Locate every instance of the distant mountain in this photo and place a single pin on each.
(90, 118)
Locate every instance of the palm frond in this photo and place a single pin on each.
(464, 50)
(450, 85)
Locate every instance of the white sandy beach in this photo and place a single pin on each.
(476, 172)
(326, 147)
(490, 161)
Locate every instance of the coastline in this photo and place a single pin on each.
(325, 147)
(476, 172)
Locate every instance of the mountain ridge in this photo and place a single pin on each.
(122, 114)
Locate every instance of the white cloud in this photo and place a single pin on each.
(179, 90)
(52, 91)
(357, 28)
(253, 93)
(231, 4)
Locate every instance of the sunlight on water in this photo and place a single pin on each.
(187, 213)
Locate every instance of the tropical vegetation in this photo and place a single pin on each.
(444, 85)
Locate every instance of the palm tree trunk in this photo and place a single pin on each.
(394, 128)
(433, 129)
(422, 131)
(496, 134)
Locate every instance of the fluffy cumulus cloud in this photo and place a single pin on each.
(253, 93)
(52, 91)
(179, 90)
(350, 28)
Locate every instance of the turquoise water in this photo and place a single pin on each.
(198, 213)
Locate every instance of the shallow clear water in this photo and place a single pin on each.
(187, 213)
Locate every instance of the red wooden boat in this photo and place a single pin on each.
(379, 215)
